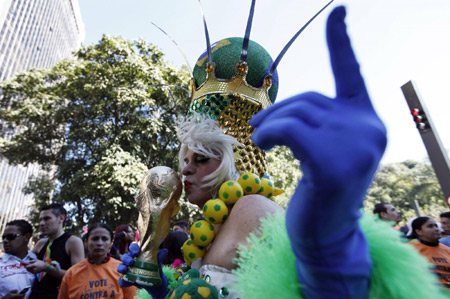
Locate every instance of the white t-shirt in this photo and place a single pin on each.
(14, 275)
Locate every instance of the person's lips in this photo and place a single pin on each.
(187, 185)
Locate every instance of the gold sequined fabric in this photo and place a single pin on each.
(232, 103)
(233, 112)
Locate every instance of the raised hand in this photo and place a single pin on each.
(337, 137)
(339, 143)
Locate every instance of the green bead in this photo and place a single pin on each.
(224, 292)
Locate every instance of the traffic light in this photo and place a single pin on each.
(420, 119)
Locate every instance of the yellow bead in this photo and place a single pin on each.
(230, 192)
(202, 233)
(191, 252)
(266, 188)
(215, 211)
(250, 183)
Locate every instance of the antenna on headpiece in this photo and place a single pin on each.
(208, 43)
(247, 32)
(280, 56)
(179, 48)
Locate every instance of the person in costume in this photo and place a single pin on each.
(427, 235)
(96, 276)
(56, 253)
(321, 248)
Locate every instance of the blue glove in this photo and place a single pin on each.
(339, 143)
(128, 261)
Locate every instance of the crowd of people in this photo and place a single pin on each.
(58, 266)
(339, 142)
(71, 275)
(429, 237)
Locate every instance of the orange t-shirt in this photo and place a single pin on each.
(438, 255)
(84, 280)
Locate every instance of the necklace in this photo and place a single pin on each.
(216, 211)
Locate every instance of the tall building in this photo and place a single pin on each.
(33, 34)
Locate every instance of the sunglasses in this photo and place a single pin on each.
(11, 237)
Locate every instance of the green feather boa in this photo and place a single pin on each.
(267, 264)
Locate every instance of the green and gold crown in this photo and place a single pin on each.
(232, 81)
(231, 91)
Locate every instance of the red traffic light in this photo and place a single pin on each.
(420, 119)
(415, 112)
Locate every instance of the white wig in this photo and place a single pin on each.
(203, 136)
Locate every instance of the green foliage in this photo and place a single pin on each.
(42, 188)
(101, 120)
(402, 183)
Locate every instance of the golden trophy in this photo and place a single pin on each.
(157, 203)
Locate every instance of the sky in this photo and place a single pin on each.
(395, 41)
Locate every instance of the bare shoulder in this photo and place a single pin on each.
(254, 206)
(247, 213)
(39, 245)
(75, 249)
(244, 218)
(74, 242)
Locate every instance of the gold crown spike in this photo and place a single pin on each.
(232, 103)
(237, 84)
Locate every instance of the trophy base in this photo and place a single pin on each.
(143, 273)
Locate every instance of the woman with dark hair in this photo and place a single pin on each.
(173, 243)
(96, 276)
(123, 237)
(427, 235)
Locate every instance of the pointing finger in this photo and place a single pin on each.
(349, 82)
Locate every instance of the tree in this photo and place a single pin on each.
(402, 183)
(99, 121)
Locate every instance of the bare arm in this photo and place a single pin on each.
(39, 246)
(75, 249)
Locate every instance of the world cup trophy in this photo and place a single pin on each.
(157, 203)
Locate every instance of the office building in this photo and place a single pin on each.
(33, 34)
